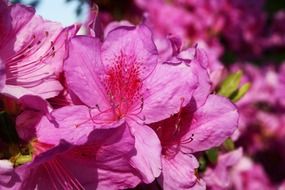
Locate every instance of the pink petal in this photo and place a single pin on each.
(6, 169)
(2, 74)
(15, 91)
(135, 43)
(60, 47)
(199, 62)
(47, 171)
(148, 151)
(25, 124)
(12, 18)
(5, 26)
(219, 177)
(168, 89)
(104, 160)
(179, 172)
(46, 77)
(115, 24)
(34, 52)
(71, 123)
(115, 172)
(212, 124)
(82, 70)
(26, 25)
(34, 109)
(199, 65)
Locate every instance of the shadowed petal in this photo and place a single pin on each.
(147, 159)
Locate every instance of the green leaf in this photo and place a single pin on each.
(229, 144)
(212, 155)
(230, 84)
(202, 164)
(240, 92)
(22, 159)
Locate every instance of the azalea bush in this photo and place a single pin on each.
(144, 95)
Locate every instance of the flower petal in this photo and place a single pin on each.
(105, 156)
(212, 124)
(2, 74)
(82, 70)
(219, 177)
(135, 42)
(179, 172)
(12, 18)
(6, 169)
(168, 89)
(15, 91)
(34, 52)
(147, 159)
(199, 65)
(65, 125)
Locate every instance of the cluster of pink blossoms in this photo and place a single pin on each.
(107, 110)
(237, 35)
(182, 94)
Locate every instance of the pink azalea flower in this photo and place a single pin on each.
(219, 177)
(276, 36)
(35, 108)
(280, 89)
(31, 52)
(103, 158)
(249, 176)
(263, 101)
(62, 150)
(208, 20)
(246, 36)
(198, 25)
(236, 172)
(120, 80)
(205, 122)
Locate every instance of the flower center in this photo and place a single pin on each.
(172, 131)
(123, 84)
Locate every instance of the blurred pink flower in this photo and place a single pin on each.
(247, 175)
(233, 171)
(244, 25)
(276, 37)
(263, 102)
(218, 177)
(194, 22)
(241, 23)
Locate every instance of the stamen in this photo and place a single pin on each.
(188, 140)
(96, 118)
(178, 123)
(171, 131)
(123, 84)
(20, 71)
